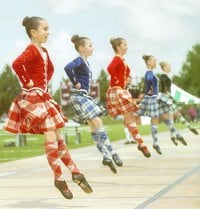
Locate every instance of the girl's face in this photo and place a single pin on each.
(87, 49)
(167, 68)
(151, 63)
(122, 48)
(41, 33)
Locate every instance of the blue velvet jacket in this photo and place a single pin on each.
(151, 83)
(78, 71)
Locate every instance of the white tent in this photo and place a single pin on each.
(182, 96)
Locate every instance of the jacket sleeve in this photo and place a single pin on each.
(164, 84)
(168, 85)
(150, 78)
(114, 72)
(111, 68)
(19, 66)
(50, 68)
(150, 82)
(71, 70)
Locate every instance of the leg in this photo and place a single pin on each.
(185, 122)
(99, 144)
(51, 149)
(129, 120)
(154, 129)
(103, 136)
(99, 136)
(154, 132)
(173, 131)
(129, 138)
(100, 131)
(65, 156)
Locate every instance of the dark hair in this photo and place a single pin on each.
(78, 41)
(146, 58)
(31, 23)
(115, 42)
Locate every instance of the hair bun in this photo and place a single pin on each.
(25, 21)
(162, 64)
(144, 57)
(112, 40)
(75, 38)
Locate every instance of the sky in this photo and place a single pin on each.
(166, 29)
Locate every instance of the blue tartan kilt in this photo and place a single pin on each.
(85, 108)
(149, 107)
(174, 108)
(167, 104)
(164, 103)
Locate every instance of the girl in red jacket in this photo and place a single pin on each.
(34, 110)
(119, 100)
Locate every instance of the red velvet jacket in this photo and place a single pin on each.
(119, 72)
(30, 65)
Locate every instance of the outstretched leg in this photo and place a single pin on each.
(154, 132)
(186, 123)
(174, 133)
(130, 123)
(99, 137)
(65, 156)
(51, 149)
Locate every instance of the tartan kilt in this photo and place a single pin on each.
(149, 107)
(85, 108)
(118, 101)
(174, 108)
(34, 112)
(164, 102)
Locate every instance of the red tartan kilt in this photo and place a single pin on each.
(34, 112)
(119, 101)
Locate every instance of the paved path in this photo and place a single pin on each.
(169, 181)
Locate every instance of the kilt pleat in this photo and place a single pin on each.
(34, 112)
(149, 107)
(174, 108)
(85, 108)
(164, 102)
(118, 101)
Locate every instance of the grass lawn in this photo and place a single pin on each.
(35, 143)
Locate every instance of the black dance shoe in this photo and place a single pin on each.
(117, 160)
(108, 162)
(157, 148)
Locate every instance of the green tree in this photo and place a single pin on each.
(9, 89)
(189, 76)
(56, 96)
(104, 84)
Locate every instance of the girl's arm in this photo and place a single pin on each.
(150, 82)
(114, 71)
(71, 70)
(168, 86)
(50, 67)
(165, 84)
(19, 66)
